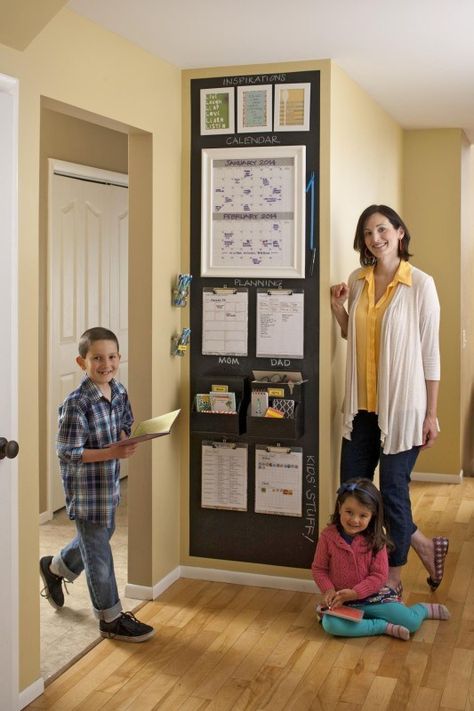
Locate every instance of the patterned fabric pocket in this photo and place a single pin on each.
(385, 594)
(287, 407)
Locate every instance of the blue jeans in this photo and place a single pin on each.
(375, 620)
(90, 551)
(359, 458)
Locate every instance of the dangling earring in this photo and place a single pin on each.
(369, 257)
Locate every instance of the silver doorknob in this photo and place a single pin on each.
(8, 448)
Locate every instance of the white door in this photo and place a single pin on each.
(8, 393)
(88, 280)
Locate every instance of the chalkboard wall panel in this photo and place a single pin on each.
(246, 535)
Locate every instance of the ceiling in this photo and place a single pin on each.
(414, 57)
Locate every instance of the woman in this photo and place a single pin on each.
(392, 378)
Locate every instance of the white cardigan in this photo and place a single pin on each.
(409, 355)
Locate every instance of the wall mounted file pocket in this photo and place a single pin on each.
(284, 392)
(205, 419)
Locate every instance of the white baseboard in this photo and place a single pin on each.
(45, 517)
(30, 693)
(438, 478)
(253, 579)
(144, 592)
(138, 592)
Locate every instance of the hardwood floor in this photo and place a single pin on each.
(220, 646)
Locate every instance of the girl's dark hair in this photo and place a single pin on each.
(98, 333)
(368, 495)
(366, 258)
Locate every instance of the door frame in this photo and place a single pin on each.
(9, 178)
(79, 172)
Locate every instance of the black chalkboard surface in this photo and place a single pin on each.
(245, 535)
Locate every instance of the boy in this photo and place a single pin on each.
(91, 420)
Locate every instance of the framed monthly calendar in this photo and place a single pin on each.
(252, 212)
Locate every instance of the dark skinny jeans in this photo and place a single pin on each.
(359, 458)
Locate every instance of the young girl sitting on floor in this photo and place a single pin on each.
(351, 567)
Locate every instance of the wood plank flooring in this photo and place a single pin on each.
(220, 646)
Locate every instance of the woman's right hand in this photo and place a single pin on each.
(339, 294)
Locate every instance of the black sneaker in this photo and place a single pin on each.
(126, 628)
(53, 590)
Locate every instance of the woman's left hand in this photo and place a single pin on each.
(430, 432)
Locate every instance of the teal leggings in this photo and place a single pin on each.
(375, 620)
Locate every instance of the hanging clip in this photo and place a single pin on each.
(180, 344)
(181, 290)
(279, 449)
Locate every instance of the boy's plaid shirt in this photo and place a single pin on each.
(87, 420)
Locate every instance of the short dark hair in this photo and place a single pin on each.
(394, 219)
(98, 333)
(368, 495)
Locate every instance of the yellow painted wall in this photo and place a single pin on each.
(366, 169)
(75, 62)
(432, 212)
(467, 309)
(22, 20)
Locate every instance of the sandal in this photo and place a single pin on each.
(441, 546)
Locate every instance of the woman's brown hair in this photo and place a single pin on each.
(366, 258)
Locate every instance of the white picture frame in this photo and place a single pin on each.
(253, 212)
(254, 109)
(217, 111)
(292, 107)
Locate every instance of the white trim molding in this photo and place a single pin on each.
(145, 592)
(30, 693)
(87, 172)
(253, 579)
(438, 478)
(138, 592)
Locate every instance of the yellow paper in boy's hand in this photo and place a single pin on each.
(157, 425)
(148, 429)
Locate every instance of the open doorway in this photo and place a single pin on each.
(73, 303)
(87, 281)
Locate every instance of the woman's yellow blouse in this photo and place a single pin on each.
(368, 320)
